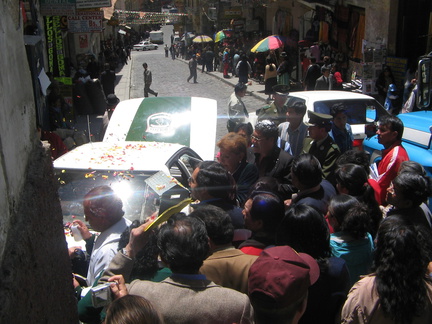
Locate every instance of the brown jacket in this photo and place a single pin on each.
(229, 267)
(363, 306)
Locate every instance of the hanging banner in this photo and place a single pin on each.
(57, 7)
(55, 49)
(85, 22)
(86, 4)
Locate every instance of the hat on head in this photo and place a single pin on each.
(317, 119)
(283, 275)
(112, 100)
(281, 89)
(325, 68)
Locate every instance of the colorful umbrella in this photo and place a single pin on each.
(268, 43)
(202, 39)
(219, 36)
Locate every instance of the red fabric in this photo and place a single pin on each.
(58, 148)
(388, 168)
(338, 78)
(251, 250)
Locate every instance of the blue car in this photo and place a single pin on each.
(416, 140)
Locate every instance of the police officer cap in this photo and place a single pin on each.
(317, 119)
(281, 89)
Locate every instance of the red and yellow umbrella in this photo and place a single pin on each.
(269, 43)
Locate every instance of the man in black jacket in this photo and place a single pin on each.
(270, 159)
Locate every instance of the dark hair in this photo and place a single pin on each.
(413, 167)
(336, 109)
(103, 202)
(299, 108)
(268, 129)
(240, 87)
(305, 230)
(268, 208)
(413, 187)
(307, 169)
(355, 157)
(217, 222)
(353, 177)
(132, 309)
(247, 127)
(351, 215)
(270, 62)
(144, 64)
(268, 184)
(394, 123)
(183, 243)
(146, 260)
(400, 262)
(214, 178)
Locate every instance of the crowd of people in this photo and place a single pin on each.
(284, 228)
(289, 225)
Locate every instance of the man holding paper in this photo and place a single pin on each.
(390, 130)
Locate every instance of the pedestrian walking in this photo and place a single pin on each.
(107, 79)
(166, 48)
(148, 82)
(193, 69)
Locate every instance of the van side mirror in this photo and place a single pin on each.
(424, 83)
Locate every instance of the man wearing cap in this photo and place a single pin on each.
(275, 111)
(320, 144)
(278, 284)
(324, 82)
(293, 132)
(193, 69)
(112, 102)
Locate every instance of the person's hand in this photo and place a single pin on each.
(287, 202)
(85, 233)
(72, 250)
(75, 282)
(118, 286)
(138, 238)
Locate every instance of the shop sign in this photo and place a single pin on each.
(85, 22)
(86, 4)
(55, 49)
(57, 7)
(231, 13)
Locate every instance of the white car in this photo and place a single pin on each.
(150, 150)
(362, 110)
(145, 46)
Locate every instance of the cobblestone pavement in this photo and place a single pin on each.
(169, 79)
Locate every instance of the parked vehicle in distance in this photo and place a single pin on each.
(157, 36)
(145, 46)
(362, 110)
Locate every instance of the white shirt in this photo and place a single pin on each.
(104, 249)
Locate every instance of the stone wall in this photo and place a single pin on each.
(35, 280)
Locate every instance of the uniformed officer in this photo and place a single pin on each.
(320, 144)
(276, 110)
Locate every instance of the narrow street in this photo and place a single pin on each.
(169, 80)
